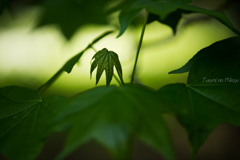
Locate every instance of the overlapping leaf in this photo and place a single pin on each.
(171, 20)
(212, 93)
(111, 115)
(105, 60)
(25, 121)
(164, 8)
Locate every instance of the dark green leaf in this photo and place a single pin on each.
(164, 8)
(212, 93)
(125, 18)
(111, 115)
(171, 20)
(221, 17)
(121, 4)
(71, 63)
(105, 60)
(25, 121)
(211, 52)
(72, 14)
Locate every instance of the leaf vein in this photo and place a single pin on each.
(213, 100)
(19, 110)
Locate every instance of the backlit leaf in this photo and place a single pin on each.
(25, 121)
(105, 60)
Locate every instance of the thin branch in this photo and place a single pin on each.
(139, 47)
(46, 85)
(117, 80)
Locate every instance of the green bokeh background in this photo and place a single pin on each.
(29, 57)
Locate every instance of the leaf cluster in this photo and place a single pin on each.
(114, 115)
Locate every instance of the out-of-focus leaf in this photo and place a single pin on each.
(71, 63)
(111, 115)
(212, 93)
(125, 18)
(223, 47)
(164, 8)
(221, 17)
(105, 60)
(72, 14)
(171, 20)
(25, 121)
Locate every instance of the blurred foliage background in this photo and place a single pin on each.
(38, 36)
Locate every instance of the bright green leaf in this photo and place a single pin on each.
(105, 60)
(212, 93)
(25, 121)
(164, 8)
(111, 115)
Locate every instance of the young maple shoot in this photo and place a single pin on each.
(105, 60)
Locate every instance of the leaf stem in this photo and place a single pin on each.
(139, 46)
(117, 79)
(46, 85)
(122, 80)
(94, 49)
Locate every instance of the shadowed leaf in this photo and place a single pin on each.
(171, 20)
(211, 95)
(112, 115)
(25, 121)
(164, 8)
(224, 47)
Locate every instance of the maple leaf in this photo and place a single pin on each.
(211, 95)
(105, 60)
(26, 120)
